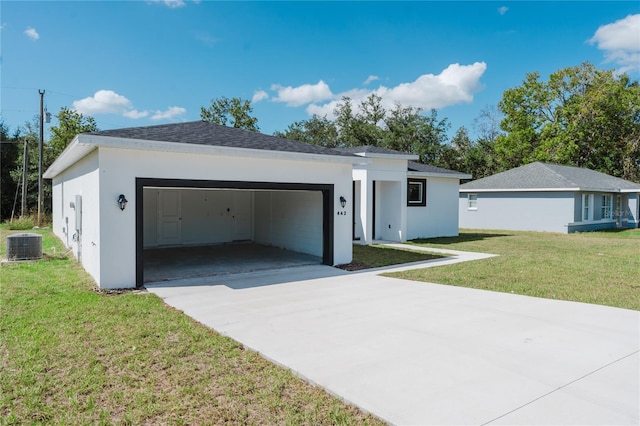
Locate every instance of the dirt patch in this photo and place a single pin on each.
(118, 291)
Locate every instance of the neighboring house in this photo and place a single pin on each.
(549, 197)
(397, 199)
(119, 192)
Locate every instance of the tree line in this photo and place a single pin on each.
(580, 116)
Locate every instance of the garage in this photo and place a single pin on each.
(192, 228)
(194, 187)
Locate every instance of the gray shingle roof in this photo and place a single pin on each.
(426, 168)
(369, 149)
(550, 176)
(206, 133)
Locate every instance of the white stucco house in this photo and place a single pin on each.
(549, 197)
(398, 199)
(119, 192)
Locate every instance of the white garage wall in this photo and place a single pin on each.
(439, 218)
(119, 169)
(207, 216)
(286, 219)
(290, 219)
(81, 180)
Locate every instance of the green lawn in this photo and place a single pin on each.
(72, 355)
(596, 267)
(375, 256)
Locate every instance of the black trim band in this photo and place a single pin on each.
(327, 208)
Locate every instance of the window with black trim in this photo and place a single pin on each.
(416, 192)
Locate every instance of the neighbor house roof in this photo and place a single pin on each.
(549, 177)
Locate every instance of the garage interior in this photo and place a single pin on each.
(203, 230)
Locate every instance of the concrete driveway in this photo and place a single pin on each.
(427, 354)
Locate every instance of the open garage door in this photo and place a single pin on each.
(190, 220)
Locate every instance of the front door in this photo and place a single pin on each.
(169, 220)
(242, 216)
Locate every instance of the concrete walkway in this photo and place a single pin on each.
(427, 354)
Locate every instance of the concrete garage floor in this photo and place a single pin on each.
(416, 353)
(171, 263)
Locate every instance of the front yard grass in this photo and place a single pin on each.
(72, 355)
(596, 267)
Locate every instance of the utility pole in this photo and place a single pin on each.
(40, 189)
(25, 164)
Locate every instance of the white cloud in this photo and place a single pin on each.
(455, 84)
(32, 33)
(502, 10)
(169, 113)
(296, 96)
(135, 114)
(109, 102)
(173, 4)
(620, 41)
(103, 102)
(259, 95)
(370, 79)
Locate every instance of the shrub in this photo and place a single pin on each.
(21, 224)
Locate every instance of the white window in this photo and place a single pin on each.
(607, 203)
(587, 210)
(472, 201)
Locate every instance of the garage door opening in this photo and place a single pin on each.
(187, 228)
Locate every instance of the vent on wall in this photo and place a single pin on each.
(24, 247)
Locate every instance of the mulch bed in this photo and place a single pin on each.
(354, 266)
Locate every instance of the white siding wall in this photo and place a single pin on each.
(208, 216)
(120, 167)
(81, 180)
(389, 211)
(390, 176)
(527, 211)
(439, 218)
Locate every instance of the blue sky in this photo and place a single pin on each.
(138, 63)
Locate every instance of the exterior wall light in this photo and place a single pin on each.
(343, 201)
(122, 201)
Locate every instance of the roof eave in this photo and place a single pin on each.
(83, 144)
(74, 152)
(576, 189)
(439, 175)
(387, 156)
(519, 189)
